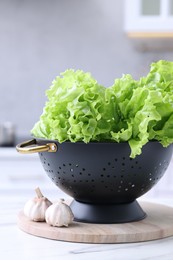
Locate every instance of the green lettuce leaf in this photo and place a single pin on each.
(75, 111)
(80, 109)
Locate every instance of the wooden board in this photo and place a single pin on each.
(158, 224)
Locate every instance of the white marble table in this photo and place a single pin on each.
(19, 177)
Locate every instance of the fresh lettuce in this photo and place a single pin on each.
(79, 109)
(75, 111)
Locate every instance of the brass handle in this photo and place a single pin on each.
(31, 146)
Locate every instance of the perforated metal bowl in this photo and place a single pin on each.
(101, 177)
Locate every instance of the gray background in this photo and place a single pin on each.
(41, 38)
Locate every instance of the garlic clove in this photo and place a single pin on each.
(59, 214)
(35, 208)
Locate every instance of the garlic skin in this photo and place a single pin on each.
(35, 208)
(59, 214)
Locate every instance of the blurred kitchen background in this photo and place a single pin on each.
(39, 39)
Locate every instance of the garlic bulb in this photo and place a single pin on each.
(59, 214)
(35, 208)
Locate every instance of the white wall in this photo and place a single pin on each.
(41, 38)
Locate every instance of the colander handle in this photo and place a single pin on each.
(31, 146)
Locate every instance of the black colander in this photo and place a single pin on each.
(101, 177)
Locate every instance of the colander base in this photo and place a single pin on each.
(107, 213)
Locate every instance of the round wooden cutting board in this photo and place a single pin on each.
(158, 224)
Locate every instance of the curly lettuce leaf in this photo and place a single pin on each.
(75, 111)
(136, 111)
(79, 109)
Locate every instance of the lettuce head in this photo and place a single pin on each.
(81, 110)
